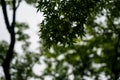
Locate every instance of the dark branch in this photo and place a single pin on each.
(113, 25)
(14, 15)
(8, 59)
(18, 4)
(10, 52)
(115, 63)
(3, 3)
(116, 46)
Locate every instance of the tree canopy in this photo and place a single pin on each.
(90, 29)
(80, 40)
(64, 20)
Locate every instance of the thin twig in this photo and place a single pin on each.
(18, 4)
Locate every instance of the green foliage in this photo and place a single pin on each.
(70, 61)
(31, 1)
(20, 27)
(3, 49)
(22, 66)
(64, 19)
(98, 52)
(82, 39)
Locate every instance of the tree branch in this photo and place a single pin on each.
(18, 4)
(3, 3)
(14, 15)
(115, 70)
(116, 46)
(113, 25)
(10, 52)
